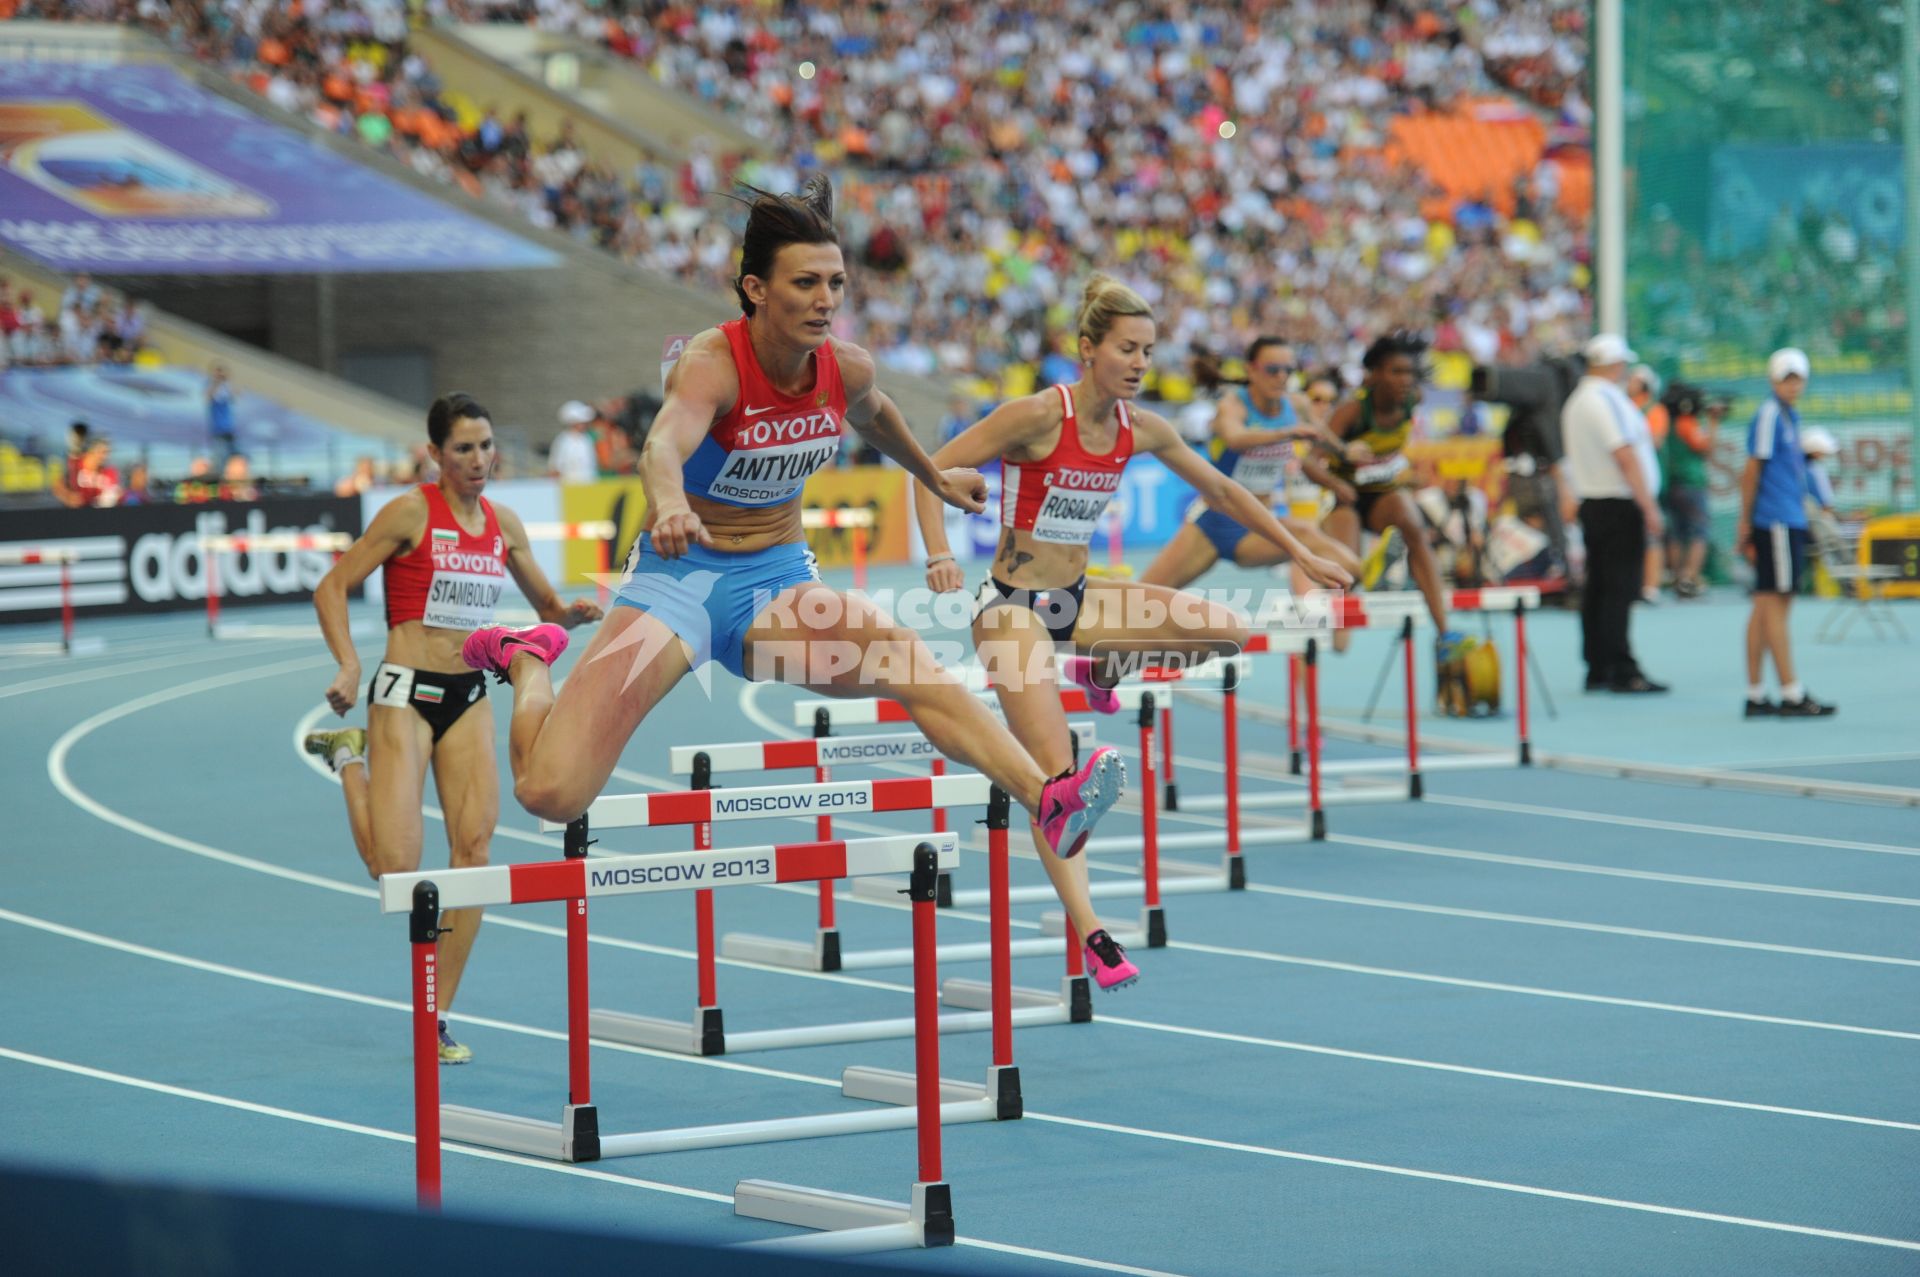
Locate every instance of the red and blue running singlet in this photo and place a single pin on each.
(453, 579)
(1061, 497)
(763, 450)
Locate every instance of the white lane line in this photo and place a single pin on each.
(1671, 826)
(1608, 871)
(56, 767)
(1136, 1132)
(1531, 920)
(135, 667)
(510, 1159)
(749, 704)
(1824, 760)
(1532, 991)
(1470, 1181)
(1279, 1044)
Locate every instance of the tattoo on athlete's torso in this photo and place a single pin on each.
(1017, 559)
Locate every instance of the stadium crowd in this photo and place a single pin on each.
(990, 155)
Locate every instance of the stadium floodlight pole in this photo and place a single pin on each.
(1910, 140)
(1609, 187)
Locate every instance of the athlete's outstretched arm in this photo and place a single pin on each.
(533, 582)
(396, 529)
(700, 389)
(878, 420)
(1230, 427)
(1152, 433)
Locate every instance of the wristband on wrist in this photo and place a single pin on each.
(940, 558)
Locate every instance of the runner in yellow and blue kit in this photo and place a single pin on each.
(1255, 433)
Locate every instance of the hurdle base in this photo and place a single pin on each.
(706, 1035)
(823, 953)
(977, 995)
(848, 1224)
(1526, 753)
(893, 1086)
(1416, 788)
(580, 1133)
(1171, 798)
(973, 1108)
(1210, 840)
(1236, 873)
(1153, 922)
(1319, 825)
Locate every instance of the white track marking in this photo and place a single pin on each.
(1279, 1044)
(1470, 1181)
(1672, 826)
(56, 766)
(491, 1155)
(1601, 928)
(137, 667)
(1493, 986)
(1608, 871)
(1827, 760)
(1136, 1132)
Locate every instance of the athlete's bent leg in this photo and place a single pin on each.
(565, 746)
(468, 781)
(1397, 510)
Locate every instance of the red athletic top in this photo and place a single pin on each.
(761, 452)
(452, 580)
(1060, 498)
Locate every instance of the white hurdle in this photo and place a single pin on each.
(856, 1224)
(706, 1033)
(825, 952)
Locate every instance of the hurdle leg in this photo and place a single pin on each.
(1293, 711)
(826, 944)
(1414, 787)
(606, 570)
(1076, 988)
(944, 894)
(1172, 788)
(1318, 814)
(1520, 681)
(1153, 918)
(213, 592)
(423, 931)
(579, 1120)
(859, 557)
(66, 607)
(1230, 751)
(1003, 1078)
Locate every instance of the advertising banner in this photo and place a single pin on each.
(136, 170)
(147, 558)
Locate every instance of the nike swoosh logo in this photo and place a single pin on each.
(754, 412)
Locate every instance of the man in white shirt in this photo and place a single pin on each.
(1613, 473)
(571, 458)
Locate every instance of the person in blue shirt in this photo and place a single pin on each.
(1772, 535)
(220, 426)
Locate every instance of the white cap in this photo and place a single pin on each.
(1608, 348)
(1788, 361)
(575, 413)
(1646, 376)
(1818, 441)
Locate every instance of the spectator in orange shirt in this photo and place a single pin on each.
(1643, 387)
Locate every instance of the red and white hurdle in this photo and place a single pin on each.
(821, 753)
(52, 569)
(852, 1224)
(705, 1033)
(858, 524)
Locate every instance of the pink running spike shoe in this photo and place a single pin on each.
(1079, 670)
(495, 646)
(1109, 963)
(1070, 805)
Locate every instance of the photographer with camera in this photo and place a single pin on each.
(1531, 443)
(1612, 470)
(1695, 419)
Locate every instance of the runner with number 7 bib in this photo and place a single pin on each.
(448, 552)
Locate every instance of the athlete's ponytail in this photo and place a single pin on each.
(774, 221)
(1105, 300)
(448, 409)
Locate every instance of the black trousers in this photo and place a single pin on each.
(1616, 535)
